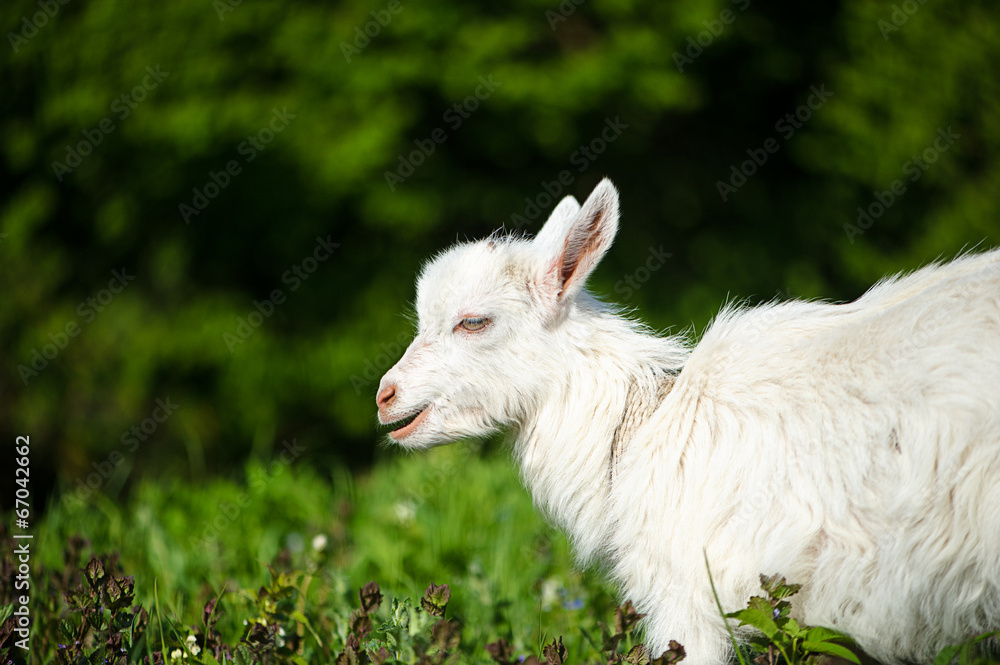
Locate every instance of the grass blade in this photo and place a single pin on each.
(722, 613)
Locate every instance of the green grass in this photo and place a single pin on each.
(453, 516)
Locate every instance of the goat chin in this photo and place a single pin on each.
(853, 448)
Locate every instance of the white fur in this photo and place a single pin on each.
(853, 448)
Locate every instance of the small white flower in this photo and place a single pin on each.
(550, 593)
(176, 654)
(319, 543)
(405, 511)
(192, 645)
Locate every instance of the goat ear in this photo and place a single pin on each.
(551, 237)
(584, 242)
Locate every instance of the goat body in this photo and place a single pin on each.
(852, 448)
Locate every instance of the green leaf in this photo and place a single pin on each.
(67, 630)
(626, 618)
(759, 619)
(500, 651)
(555, 653)
(611, 642)
(674, 654)
(759, 603)
(776, 587)
(207, 658)
(984, 636)
(435, 599)
(371, 597)
(947, 654)
(637, 655)
(242, 655)
(94, 573)
(446, 636)
(822, 634)
(401, 613)
(347, 657)
(359, 623)
(373, 645)
(831, 649)
(791, 626)
(782, 607)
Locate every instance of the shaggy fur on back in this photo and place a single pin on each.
(853, 448)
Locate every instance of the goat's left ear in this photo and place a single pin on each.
(550, 239)
(586, 240)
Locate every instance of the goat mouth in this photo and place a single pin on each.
(410, 423)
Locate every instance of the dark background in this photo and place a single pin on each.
(899, 74)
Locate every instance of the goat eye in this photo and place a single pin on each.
(474, 323)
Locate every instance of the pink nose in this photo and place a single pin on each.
(385, 397)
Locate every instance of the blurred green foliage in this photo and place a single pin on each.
(287, 117)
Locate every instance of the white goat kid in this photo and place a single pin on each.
(853, 448)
